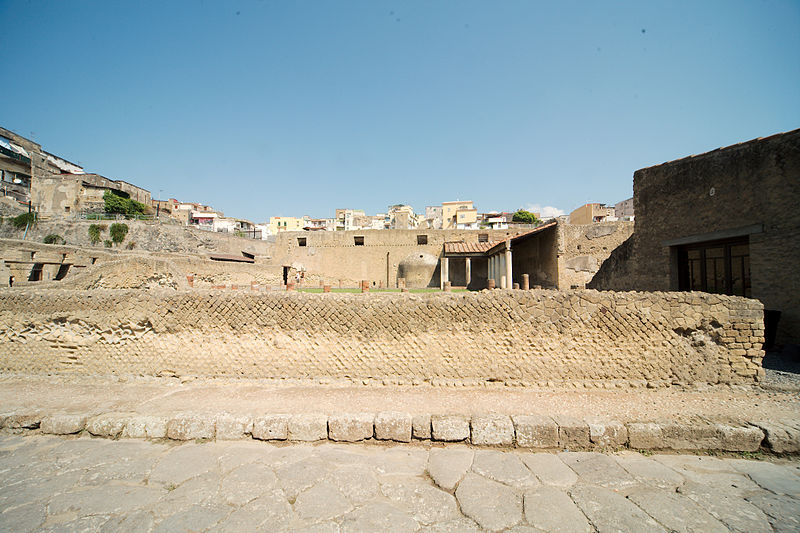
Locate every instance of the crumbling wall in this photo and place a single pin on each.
(582, 250)
(516, 337)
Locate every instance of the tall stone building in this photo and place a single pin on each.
(726, 221)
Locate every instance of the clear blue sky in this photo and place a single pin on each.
(287, 108)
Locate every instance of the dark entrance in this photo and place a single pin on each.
(286, 275)
(721, 267)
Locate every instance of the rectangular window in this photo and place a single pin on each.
(483, 237)
(301, 241)
(721, 267)
(422, 239)
(358, 240)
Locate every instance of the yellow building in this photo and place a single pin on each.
(277, 224)
(451, 210)
(590, 213)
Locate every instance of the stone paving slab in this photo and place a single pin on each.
(95, 484)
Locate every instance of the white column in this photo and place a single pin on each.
(509, 279)
(444, 275)
(468, 269)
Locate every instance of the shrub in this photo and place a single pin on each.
(94, 233)
(54, 239)
(23, 220)
(131, 245)
(114, 203)
(118, 232)
(107, 243)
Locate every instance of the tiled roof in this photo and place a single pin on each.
(467, 247)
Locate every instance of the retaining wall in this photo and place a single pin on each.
(518, 337)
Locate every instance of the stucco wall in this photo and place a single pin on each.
(517, 337)
(582, 249)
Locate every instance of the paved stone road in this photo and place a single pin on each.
(85, 484)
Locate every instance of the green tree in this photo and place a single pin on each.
(23, 220)
(107, 243)
(118, 232)
(524, 217)
(94, 234)
(114, 203)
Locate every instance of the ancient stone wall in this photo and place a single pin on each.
(582, 249)
(334, 256)
(752, 186)
(517, 337)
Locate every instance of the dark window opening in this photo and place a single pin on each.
(36, 272)
(359, 240)
(66, 209)
(62, 272)
(301, 241)
(721, 267)
(483, 237)
(422, 239)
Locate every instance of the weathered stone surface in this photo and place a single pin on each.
(675, 512)
(184, 462)
(107, 499)
(394, 426)
(710, 471)
(296, 477)
(780, 438)
(690, 436)
(607, 433)
(356, 481)
(459, 525)
(649, 471)
(145, 427)
(21, 420)
(190, 427)
(780, 510)
(421, 427)
(447, 466)
(350, 427)
(598, 469)
(550, 509)
(535, 431)
(195, 518)
(271, 427)
(107, 425)
(549, 469)
(572, 432)
(733, 511)
(492, 430)
(378, 516)
(503, 467)
(450, 428)
(775, 478)
(609, 511)
(492, 505)
(247, 483)
(307, 427)
(321, 502)
(233, 427)
(739, 438)
(645, 436)
(270, 512)
(427, 504)
(63, 424)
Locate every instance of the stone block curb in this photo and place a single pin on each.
(524, 431)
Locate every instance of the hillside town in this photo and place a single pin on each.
(52, 186)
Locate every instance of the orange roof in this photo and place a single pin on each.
(467, 247)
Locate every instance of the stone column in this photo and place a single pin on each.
(525, 282)
(490, 283)
(509, 278)
(489, 265)
(468, 269)
(444, 275)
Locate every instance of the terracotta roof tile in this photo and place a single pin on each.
(467, 247)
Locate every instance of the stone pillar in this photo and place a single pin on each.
(526, 284)
(515, 286)
(509, 278)
(490, 283)
(503, 282)
(447, 286)
(489, 273)
(468, 270)
(444, 275)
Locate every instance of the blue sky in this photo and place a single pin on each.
(271, 108)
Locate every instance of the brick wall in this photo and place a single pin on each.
(517, 337)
